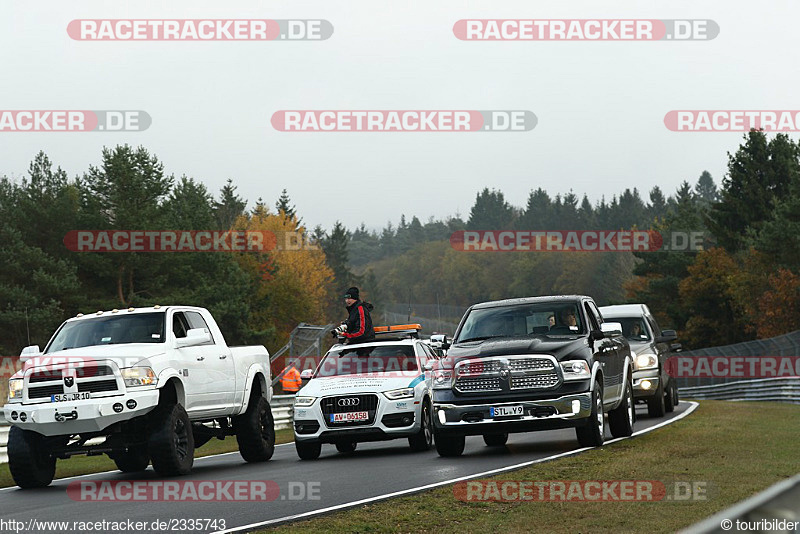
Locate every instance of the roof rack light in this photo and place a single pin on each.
(398, 328)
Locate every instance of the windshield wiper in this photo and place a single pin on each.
(479, 338)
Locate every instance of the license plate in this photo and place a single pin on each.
(348, 417)
(502, 411)
(67, 397)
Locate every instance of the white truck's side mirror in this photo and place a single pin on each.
(428, 366)
(306, 374)
(195, 336)
(29, 352)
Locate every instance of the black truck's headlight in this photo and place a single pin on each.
(576, 370)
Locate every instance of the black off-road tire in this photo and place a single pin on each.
(255, 431)
(592, 433)
(135, 460)
(171, 441)
(29, 459)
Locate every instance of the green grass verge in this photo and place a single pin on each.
(737, 448)
(82, 465)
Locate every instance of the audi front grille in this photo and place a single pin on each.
(347, 404)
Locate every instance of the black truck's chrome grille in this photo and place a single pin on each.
(507, 373)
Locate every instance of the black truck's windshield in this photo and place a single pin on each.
(543, 318)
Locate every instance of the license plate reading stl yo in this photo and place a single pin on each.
(348, 417)
(501, 411)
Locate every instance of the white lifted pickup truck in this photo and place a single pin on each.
(154, 382)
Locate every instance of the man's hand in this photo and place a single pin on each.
(341, 329)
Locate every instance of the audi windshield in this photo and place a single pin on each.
(368, 360)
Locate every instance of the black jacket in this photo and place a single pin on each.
(359, 323)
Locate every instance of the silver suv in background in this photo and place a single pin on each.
(651, 383)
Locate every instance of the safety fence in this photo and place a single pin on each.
(763, 389)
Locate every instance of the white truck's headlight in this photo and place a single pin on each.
(15, 389)
(139, 376)
(405, 393)
(645, 361)
(576, 370)
(303, 402)
(442, 379)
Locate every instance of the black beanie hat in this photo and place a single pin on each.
(352, 293)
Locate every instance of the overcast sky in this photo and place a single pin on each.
(600, 105)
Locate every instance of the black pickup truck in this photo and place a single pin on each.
(536, 363)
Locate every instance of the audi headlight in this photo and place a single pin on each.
(304, 402)
(395, 394)
(645, 361)
(442, 379)
(576, 370)
(138, 376)
(15, 390)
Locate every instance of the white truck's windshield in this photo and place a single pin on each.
(110, 330)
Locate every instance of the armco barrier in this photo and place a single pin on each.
(763, 389)
(282, 413)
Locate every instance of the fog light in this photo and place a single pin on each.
(406, 421)
(131, 404)
(23, 417)
(14, 416)
(442, 417)
(576, 406)
(118, 407)
(646, 384)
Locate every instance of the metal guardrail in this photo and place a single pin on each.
(776, 504)
(763, 389)
(282, 413)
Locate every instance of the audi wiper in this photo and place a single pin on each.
(479, 338)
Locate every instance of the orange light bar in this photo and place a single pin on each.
(397, 328)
